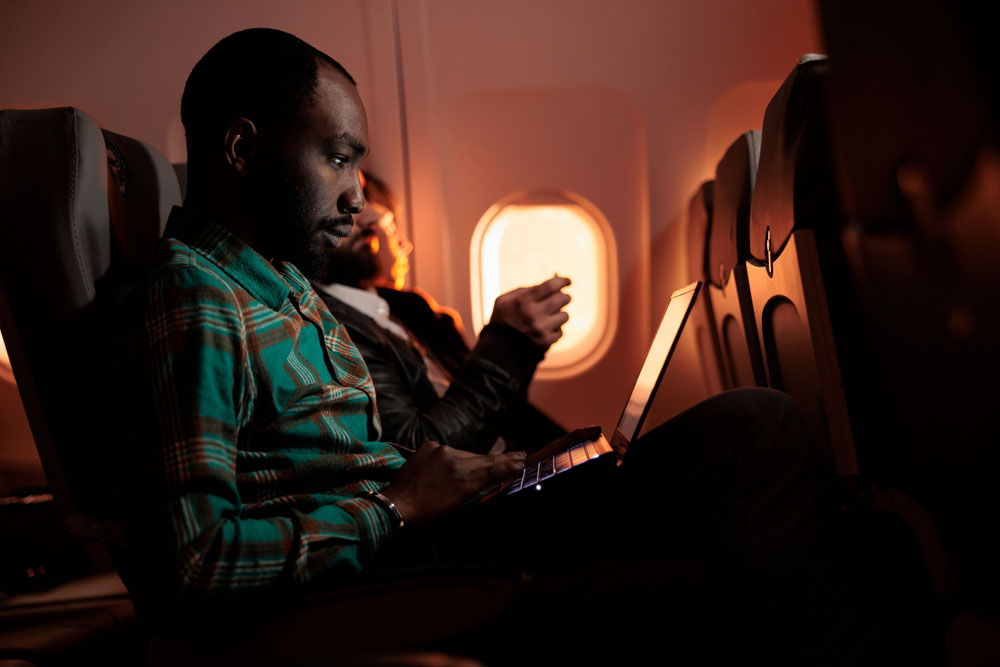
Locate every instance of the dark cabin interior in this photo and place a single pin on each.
(841, 220)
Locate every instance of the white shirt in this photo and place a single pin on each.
(369, 303)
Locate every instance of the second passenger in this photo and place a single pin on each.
(429, 384)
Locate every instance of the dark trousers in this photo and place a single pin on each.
(718, 541)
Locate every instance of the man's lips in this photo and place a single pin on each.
(338, 231)
(341, 228)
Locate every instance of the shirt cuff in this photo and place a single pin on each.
(375, 525)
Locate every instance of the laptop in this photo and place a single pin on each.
(635, 410)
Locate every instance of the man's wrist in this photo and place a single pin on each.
(386, 504)
(510, 349)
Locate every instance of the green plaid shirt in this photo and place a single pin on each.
(263, 420)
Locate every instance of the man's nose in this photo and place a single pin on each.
(353, 199)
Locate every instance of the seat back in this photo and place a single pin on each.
(698, 226)
(817, 349)
(728, 250)
(81, 211)
(794, 224)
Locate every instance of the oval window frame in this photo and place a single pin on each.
(599, 224)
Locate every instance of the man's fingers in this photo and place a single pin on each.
(555, 302)
(558, 319)
(513, 293)
(537, 311)
(549, 330)
(503, 467)
(542, 291)
(426, 448)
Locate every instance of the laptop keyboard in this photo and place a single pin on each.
(534, 475)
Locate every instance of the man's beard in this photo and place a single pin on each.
(351, 267)
(291, 229)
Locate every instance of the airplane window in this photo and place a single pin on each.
(524, 240)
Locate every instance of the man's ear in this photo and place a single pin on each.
(241, 144)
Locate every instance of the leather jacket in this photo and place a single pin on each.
(487, 396)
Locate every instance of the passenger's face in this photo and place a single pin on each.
(357, 261)
(308, 186)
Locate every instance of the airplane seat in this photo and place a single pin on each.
(55, 256)
(814, 337)
(55, 252)
(82, 211)
(793, 216)
(181, 170)
(915, 126)
(79, 229)
(698, 221)
(698, 230)
(728, 250)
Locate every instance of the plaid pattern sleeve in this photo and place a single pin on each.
(266, 424)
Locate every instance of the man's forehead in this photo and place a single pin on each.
(339, 106)
(330, 76)
(353, 141)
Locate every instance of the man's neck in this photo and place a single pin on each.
(222, 213)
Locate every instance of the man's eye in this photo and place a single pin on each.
(338, 160)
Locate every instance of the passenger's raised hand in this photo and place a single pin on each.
(439, 479)
(537, 311)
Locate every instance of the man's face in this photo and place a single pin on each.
(307, 180)
(357, 261)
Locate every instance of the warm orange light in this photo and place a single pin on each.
(399, 246)
(5, 371)
(524, 243)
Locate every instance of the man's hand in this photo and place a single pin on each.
(537, 311)
(439, 479)
(574, 437)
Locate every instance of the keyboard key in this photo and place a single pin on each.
(530, 475)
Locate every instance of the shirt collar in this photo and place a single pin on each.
(270, 285)
(367, 302)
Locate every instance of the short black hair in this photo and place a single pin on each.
(260, 73)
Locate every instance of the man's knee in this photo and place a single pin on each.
(762, 408)
(775, 430)
(744, 424)
(753, 400)
(748, 409)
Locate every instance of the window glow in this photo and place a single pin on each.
(5, 371)
(526, 242)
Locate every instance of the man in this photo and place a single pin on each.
(251, 465)
(430, 386)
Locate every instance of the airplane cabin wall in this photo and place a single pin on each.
(629, 103)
